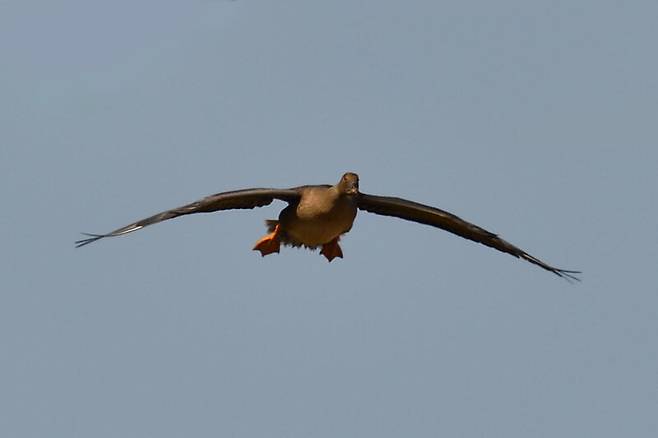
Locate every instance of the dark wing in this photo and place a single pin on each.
(435, 217)
(238, 199)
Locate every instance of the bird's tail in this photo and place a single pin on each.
(271, 224)
(284, 237)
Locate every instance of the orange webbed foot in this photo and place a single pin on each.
(269, 244)
(332, 250)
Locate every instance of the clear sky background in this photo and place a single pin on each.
(536, 120)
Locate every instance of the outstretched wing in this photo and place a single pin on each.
(238, 199)
(424, 214)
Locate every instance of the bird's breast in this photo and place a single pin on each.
(314, 224)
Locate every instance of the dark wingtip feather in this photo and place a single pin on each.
(92, 238)
(562, 273)
(568, 275)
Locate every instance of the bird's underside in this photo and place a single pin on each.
(317, 216)
(271, 243)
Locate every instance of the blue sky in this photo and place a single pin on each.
(535, 121)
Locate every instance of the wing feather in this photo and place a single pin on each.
(237, 199)
(424, 214)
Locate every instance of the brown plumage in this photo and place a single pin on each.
(317, 215)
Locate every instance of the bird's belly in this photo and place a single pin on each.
(314, 232)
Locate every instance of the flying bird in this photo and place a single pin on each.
(318, 215)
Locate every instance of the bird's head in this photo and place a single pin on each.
(349, 184)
